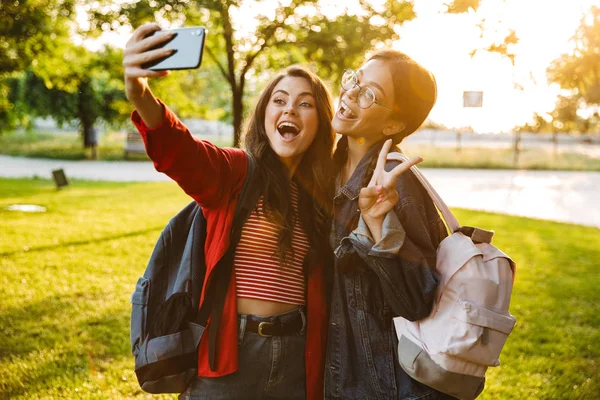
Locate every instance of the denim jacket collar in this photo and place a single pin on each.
(352, 188)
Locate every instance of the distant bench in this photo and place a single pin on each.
(134, 144)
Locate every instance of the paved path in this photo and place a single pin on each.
(555, 195)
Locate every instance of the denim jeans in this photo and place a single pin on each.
(269, 367)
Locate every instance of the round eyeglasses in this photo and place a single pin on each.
(366, 95)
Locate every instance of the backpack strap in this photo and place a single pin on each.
(450, 219)
(220, 281)
(476, 234)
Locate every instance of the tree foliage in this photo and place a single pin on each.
(462, 6)
(578, 74)
(564, 118)
(80, 86)
(293, 31)
(30, 27)
(334, 44)
(579, 70)
(27, 28)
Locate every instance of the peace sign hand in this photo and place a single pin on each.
(380, 195)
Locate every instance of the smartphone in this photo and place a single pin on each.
(188, 44)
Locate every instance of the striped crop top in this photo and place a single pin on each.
(258, 271)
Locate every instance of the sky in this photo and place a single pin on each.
(442, 43)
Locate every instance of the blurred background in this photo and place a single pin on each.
(515, 133)
(532, 65)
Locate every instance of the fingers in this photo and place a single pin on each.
(376, 194)
(381, 160)
(387, 180)
(370, 191)
(147, 43)
(402, 168)
(155, 41)
(138, 72)
(145, 30)
(138, 59)
(141, 32)
(144, 46)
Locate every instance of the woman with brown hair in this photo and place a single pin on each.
(272, 333)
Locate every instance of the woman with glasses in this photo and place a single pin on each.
(385, 231)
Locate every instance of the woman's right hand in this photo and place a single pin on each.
(380, 195)
(138, 51)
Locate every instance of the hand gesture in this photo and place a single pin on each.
(138, 51)
(381, 195)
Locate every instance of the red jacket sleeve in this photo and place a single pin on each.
(207, 173)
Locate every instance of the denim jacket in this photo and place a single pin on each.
(372, 283)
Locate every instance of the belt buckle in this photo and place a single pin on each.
(260, 328)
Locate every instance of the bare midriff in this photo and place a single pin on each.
(263, 308)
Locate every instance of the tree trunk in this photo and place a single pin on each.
(238, 114)
(517, 149)
(87, 118)
(238, 111)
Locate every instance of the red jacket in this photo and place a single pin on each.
(214, 177)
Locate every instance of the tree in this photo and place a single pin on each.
(539, 124)
(27, 28)
(578, 72)
(30, 27)
(292, 32)
(462, 6)
(78, 86)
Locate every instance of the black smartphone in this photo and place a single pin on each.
(188, 44)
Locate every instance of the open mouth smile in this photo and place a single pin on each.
(288, 130)
(345, 111)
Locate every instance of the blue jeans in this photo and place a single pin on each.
(269, 367)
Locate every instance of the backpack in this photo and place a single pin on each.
(451, 349)
(166, 325)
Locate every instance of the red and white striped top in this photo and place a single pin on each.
(258, 270)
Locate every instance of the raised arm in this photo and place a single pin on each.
(137, 52)
(209, 174)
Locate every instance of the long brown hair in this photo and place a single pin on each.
(314, 174)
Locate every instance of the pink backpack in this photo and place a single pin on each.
(451, 349)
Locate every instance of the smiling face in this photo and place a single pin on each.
(291, 119)
(373, 123)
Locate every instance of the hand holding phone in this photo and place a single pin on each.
(187, 44)
(151, 57)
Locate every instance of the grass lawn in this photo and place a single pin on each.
(66, 277)
(501, 158)
(67, 146)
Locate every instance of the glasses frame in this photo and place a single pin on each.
(361, 90)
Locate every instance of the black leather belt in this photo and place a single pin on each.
(275, 327)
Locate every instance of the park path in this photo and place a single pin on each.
(563, 196)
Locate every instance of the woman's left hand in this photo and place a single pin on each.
(380, 195)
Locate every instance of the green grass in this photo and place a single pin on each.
(66, 277)
(501, 158)
(68, 146)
